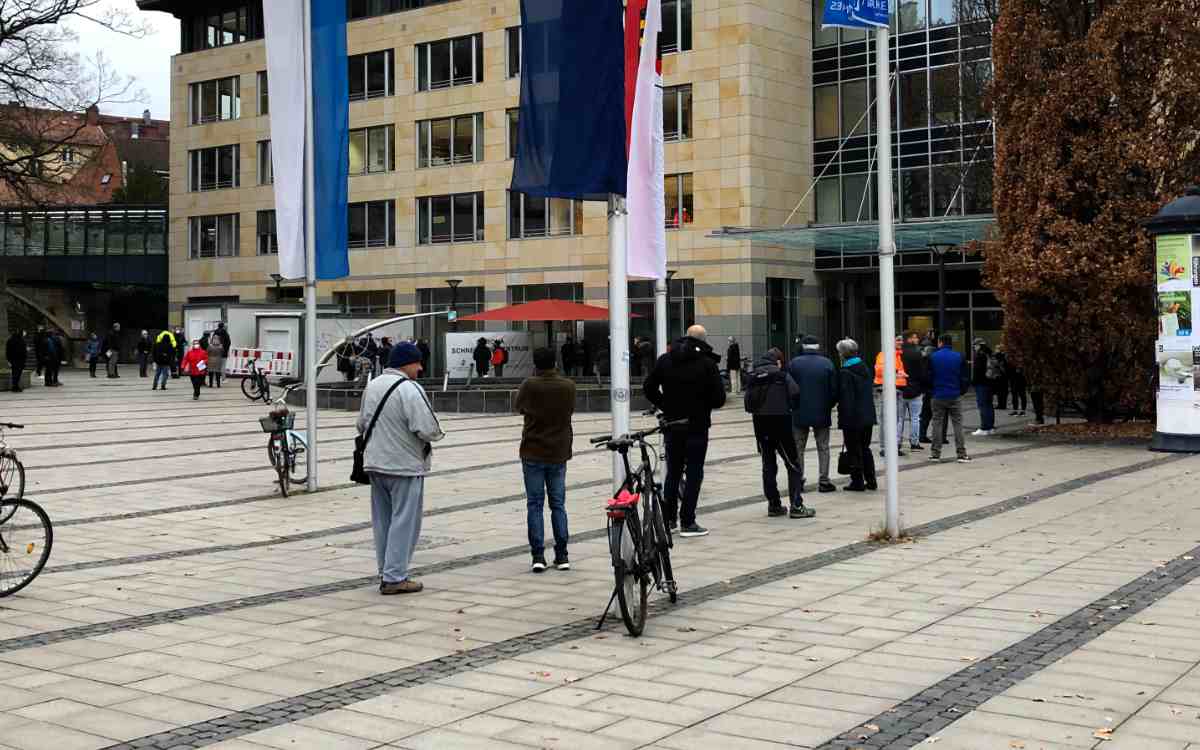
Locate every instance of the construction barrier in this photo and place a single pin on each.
(276, 364)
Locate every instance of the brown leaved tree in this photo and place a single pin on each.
(1097, 111)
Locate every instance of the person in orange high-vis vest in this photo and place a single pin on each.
(901, 382)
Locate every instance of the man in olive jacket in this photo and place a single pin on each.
(547, 400)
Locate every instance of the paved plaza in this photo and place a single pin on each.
(1047, 599)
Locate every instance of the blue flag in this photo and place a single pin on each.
(331, 138)
(855, 14)
(571, 126)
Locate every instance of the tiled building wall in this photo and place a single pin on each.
(750, 157)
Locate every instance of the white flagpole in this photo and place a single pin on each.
(310, 261)
(887, 295)
(618, 328)
(660, 317)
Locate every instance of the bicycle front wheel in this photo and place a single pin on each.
(278, 456)
(25, 542)
(632, 584)
(298, 463)
(12, 482)
(264, 389)
(250, 387)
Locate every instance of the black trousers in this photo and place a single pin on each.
(17, 371)
(927, 418)
(143, 363)
(197, 383)
(774, 436)
(1039, 405)
(685, 447)
(1002, 394)
(1019, 402)
(858, 448)
(92, 366)
(51, 370)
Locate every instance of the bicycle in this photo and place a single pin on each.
(638, 544)
(287, 449)
(26, 535)
(255, 386)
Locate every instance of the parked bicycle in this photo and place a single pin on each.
(255, 386)
(287, 449)
(639, 543)
(26, 535)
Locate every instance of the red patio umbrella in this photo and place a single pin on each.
(545, 309)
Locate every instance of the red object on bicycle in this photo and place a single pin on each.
(624, 499)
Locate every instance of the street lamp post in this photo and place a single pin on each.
(278, 279)
(941, 248)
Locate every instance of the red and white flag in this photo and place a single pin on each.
(646, 236)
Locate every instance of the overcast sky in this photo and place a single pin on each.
(147, 60)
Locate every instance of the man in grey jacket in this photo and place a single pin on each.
(397, 458)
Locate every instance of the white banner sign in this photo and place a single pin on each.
(460, 353)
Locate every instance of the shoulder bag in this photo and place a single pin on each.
(358, 473)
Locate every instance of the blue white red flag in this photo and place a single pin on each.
(322, 79)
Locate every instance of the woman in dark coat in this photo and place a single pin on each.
(856, 415)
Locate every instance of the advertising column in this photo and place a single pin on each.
(1177, 350)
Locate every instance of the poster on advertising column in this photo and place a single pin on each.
(1177, 350)
(460, 353)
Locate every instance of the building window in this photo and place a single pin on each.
(676, 33)
(231, 26)
(513, 35)
(914, 185)
(218, 99)
(369, 303)
(543, 217)
(858, 198)
(825, 112)
(371, 150)
(213, 236)
(677, 113)
(213, 168)
(264, 99)
(783, 311)
(854, 107)
(372, 224)
(914, 100)
(450, 140)
(267, 240)
(372, 75)
(513, 136)
(266, 167)
(450, 218)
(823, 37)
(828, 202)
(450, 62)
(911, 15)
(943, 95)
(679, 200)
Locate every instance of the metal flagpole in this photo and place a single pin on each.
(660, 317)
(618, 327)
(887, 294)
(310, 262)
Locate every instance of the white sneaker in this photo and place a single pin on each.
(981, 433)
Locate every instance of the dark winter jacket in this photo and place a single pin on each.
(143, 345)
(979, 368)
(547, 400)
(733, 357)
(223, 335)
(112, 343)
(164, 349)
(685, 383)
(45, 348)
(816, 378)
(918, 372)
(949, 373)
(781, 390)
(482, 356)
(856, 395)
(14, 350)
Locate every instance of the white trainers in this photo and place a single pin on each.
(982, 433)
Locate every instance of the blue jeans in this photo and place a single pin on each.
(541, 480)
(161, 372)
(987, 410)
(910, 408)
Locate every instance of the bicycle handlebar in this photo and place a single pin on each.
(12, 425)
(601, 439)
(633, 437)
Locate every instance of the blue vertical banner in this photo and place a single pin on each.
(855, 14)
(331, 138)
(571, 126)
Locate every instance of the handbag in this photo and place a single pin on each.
(358, 474)
(843, 466)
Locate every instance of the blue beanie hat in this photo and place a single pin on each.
(404, 353)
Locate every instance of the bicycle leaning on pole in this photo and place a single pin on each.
(287, 449)
(26, 534)
(639, 543)
(255, 386)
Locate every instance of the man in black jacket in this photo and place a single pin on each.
(770, 392)
(112, 349)
(144, 346)
(15, 352)
(856, 415)
(685, 383)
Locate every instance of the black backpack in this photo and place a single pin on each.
(758, 386)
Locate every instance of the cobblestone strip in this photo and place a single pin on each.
(922, 716)
(288, 710)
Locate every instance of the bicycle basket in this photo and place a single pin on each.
(274, 424)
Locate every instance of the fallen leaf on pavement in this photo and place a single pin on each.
(1104, 733)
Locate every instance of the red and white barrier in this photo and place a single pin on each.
(277, 364)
